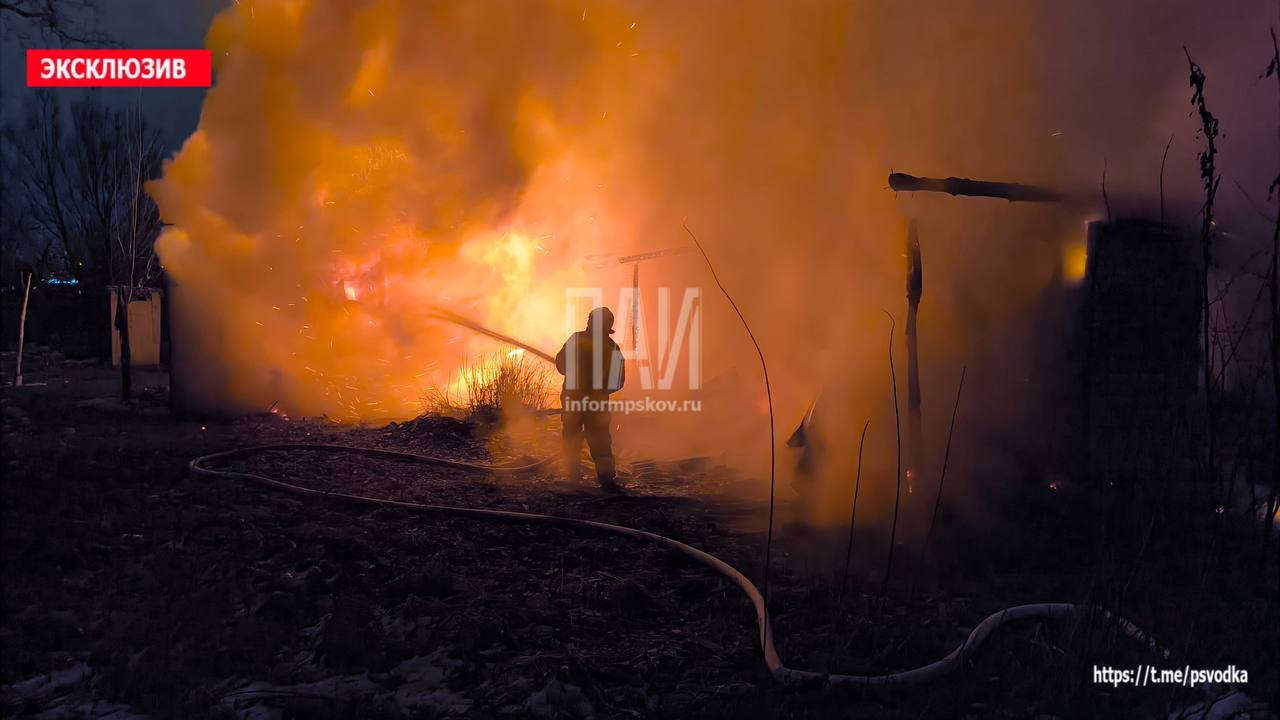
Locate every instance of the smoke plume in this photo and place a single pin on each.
(359, 164)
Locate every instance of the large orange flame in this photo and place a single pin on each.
(357, 166)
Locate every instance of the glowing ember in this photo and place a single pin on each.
(1074, 261)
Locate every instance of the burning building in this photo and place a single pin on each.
(360, 167)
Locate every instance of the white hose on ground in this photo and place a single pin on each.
(785, 675)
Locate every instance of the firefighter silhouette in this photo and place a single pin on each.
(592, 365)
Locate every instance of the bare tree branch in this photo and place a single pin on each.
(54, 18)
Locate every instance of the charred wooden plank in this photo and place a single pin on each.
(1013, 192)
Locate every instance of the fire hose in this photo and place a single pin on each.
(787, 676)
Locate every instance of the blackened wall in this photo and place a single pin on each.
(1140, 345)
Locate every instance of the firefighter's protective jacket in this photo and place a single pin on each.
(590, 372)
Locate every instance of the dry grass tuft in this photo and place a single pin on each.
(494, 387)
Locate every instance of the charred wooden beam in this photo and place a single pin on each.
(915, 288)
(1013, 192)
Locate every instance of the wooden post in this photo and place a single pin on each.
(915, 288)
(22, 330)
(126, 354)
(635, 307)
(167, 354)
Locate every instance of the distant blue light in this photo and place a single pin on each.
(60, 281)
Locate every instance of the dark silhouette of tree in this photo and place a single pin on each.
(79, 176)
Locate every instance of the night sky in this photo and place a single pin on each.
(130, 23)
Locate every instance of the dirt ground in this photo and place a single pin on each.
(133, 589)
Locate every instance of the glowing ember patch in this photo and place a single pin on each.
(350, 290)
(1075, 258)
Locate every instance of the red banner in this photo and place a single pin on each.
(119, 68)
